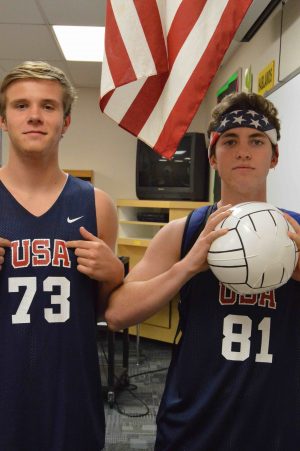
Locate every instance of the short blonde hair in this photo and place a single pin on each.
(39, 70)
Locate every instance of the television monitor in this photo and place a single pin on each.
(184, 177)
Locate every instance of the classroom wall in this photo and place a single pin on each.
(95, 142)
(264, 47)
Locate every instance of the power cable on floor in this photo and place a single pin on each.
(130, 389)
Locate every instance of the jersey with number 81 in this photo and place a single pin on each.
(234, 379)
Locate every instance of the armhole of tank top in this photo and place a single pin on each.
(189, 237)
(185, 236)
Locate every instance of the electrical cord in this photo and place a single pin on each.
(134, 387)
(132, 415)
(148, 372)
(130, 389)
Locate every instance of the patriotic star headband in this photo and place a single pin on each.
(243, 118)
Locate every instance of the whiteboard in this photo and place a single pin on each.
(283, 183)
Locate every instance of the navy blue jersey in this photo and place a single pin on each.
(50, 389)
(234, 379)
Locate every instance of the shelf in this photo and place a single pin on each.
(141, 223)
(84, 174)
(141, 242)
(189, 205)
(134, 238)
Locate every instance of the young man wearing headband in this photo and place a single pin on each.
(218, 395)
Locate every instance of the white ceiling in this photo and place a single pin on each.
(26, 34)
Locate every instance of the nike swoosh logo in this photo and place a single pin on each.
(69, 220)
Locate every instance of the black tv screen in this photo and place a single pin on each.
(184, 177)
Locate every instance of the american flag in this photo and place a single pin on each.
(160, 58)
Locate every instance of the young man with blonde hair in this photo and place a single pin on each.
(233, 382)
(57, 269)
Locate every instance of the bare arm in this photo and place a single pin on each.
(160, 274)
(296, 237)
(96, 256)
(107, 224)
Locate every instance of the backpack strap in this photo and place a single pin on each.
(194, 225)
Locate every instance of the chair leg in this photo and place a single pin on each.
(138, 344)
(111, 368)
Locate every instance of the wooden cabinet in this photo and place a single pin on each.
(134, 237)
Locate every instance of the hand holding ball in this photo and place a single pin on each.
(256, 254)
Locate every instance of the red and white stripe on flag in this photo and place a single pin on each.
(160, 58)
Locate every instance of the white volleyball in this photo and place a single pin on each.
(256, 254)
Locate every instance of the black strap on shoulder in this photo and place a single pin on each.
(194, 225)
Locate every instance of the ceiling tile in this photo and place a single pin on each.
(24, 37)
(16, 11)
(28, 42)
(70, 12)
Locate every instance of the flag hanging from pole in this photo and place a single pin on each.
(160, 58)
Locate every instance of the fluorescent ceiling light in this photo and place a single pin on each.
(80, 43)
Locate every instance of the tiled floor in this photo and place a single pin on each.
(130, 423)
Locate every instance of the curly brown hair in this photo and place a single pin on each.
(244, 100)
